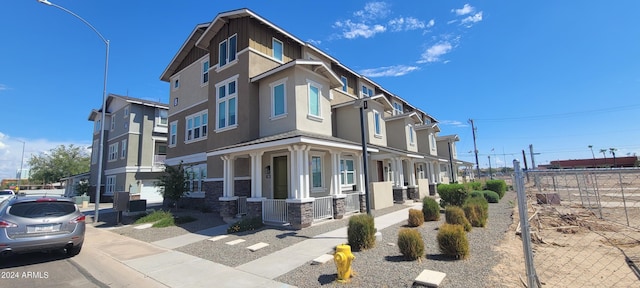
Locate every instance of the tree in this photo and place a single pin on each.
(173, 183)
(59, 162)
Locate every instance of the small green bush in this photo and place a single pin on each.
(455, 215)
(452, 241)
(416, 218)
(452, 194)
(245, 224)
(476, 210)
(430, 209)
(410, 243)
(474, 186)
(361, 232)
(492, 197)
(474, 194)
(498, 186)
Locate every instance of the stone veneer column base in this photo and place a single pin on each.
(399, 195)
(254, 207)
(412, 193)
(363, 202)
(339, 209)
(228, 209)
(300, 213)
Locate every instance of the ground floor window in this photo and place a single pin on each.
(194, 176)
(347, 172)
(110, 185)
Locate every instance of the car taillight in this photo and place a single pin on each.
(78, 219)
(7, 224)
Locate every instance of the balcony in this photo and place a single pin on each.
(158, 160)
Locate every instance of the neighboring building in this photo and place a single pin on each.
(135, 147)
(71, 183)
(258, 115)
(618, 162)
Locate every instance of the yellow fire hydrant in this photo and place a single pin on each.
(343, 258)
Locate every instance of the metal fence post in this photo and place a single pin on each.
(524, 224)
(624, 200)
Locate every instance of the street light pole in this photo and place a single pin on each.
(593, 155)
(104, 102)
(21, 162)
(362, 104)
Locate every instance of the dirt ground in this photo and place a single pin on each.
(572, 247)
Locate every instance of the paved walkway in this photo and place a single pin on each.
(171, 268)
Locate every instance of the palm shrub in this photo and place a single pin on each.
(430, 209)
(492, 197)
(452, 194)
(416, 218)
(476, 210)
(498, 186)
(455, 215)
(361, 232)
(410, 243)
(452, 241)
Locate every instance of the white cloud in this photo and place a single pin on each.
(470, 20)
(314, 42)
(451, 21)
(406, 24)
(389, 71)
(454, 123)
(431, 23)
(433, 53)
(373, 10)
(3, 87)
(353, 30)
(466, 9)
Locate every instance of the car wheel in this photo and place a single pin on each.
(74, 250)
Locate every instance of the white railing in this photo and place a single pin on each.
(158, 160)
(242, 206)
(323, 208)
(274, 210)
(352, 202)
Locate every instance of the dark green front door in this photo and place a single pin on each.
(280, 181)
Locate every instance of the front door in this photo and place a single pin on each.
(280, 179)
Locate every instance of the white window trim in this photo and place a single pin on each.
(123, 150)
(159, 119)
(172, 124)
(226, 99)
(362, 95)
(345, 84)
(309, 115)
(110, 185)
(229, 63)
(273, 51)
(345, 172)
(173, 83)
(396, 111)
(412, 139)
(322, 182)
(376, 115)
(202, 72)
(126, 111)
(114, 152)
(273, 102)
(186, 128)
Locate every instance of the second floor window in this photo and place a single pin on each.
(205, 72)
(162, 117)
(367, 91)
(113, 152)
(278, 98)
(376, 123)
(113, 123)
(411, 138)
(314, 98)
(197, 126)
(123, 150)
(344, 83)
(173, 133)
(94, 152)
(226, 103)
(397, 108)
(227, 51)
(98, 126)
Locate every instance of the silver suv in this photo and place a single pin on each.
(36, 223)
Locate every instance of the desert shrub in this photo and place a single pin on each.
(474, 194)
(361, 232)
(452, 241)
(410, 243)
(155, 216)
(452, 194)
(164, 222)
(492, 197)
(455, 215)
(416, 218)
(476, 210)
(430, 209)
(474, 186)
(246, 224)
(498, 186)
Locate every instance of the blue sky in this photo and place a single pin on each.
(560, 75)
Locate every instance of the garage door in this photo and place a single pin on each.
(150, 192)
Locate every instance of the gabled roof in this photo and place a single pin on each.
(316, 66)
(413, 115)
(378, 98)
(433, 126)
(113, 97)
(221, 19)
(452, 137)
(182, 52)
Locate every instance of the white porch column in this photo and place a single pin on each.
(306, 177)
(335, 173)
(438, 172)
(360, 174)
(256, 174)
(299, 174)
(412, 172)
(398, 171)
(227, 176)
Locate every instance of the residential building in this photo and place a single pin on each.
(135, 147)
(266, 124)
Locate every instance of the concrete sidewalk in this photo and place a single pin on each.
(167, 268)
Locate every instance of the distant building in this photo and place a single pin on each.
(619, 162)
(23, 174)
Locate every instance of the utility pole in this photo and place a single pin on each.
(524, 159)
(490, 173)
(533, 161)
(475, 148)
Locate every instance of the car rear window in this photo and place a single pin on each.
(42, 209)
(6, 193)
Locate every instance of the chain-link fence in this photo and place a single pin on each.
(584, 226)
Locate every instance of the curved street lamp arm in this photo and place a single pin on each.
(77, 16)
